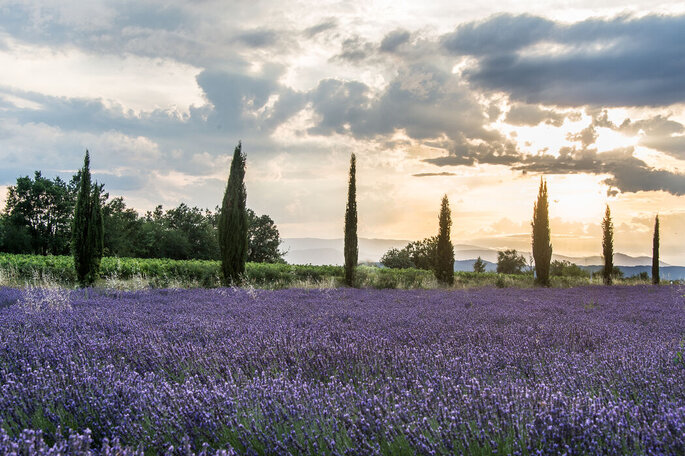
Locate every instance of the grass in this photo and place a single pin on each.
(140, 273)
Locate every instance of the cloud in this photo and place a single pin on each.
(531, 115)
(355, 49)
(628, 173)
(444, 173)
(385, 87)
(258, 38)
(499, 35)
(423, 100)
(658, 132)
(328, 24)
(587, 136)
(673, 145)
(393, 40)
(624, 61)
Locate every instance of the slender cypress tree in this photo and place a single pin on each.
(542, 246)
(655, 253)
(351, 242)
(444, 267)
(233, 222)
(87, 233)
(608, 247)
(98, 224)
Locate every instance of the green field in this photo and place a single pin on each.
(135, 273)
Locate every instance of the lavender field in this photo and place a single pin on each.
(595, 370)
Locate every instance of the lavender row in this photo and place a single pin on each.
(544, 371)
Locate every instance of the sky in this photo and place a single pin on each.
(474, 101)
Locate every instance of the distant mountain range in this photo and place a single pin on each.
(330, 251)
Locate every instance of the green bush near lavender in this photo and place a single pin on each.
(37, 270)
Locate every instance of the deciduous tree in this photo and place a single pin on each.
(510, 262)
(38, 216)
(263, 239)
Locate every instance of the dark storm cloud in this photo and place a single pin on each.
(624, 61)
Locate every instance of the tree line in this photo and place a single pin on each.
(47, 216)
(41, 215)
(436, 254)
(424, 254)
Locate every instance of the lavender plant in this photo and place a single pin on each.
(345, 371)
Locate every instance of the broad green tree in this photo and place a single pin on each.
(608, 247)
(397, 259)
(38, 215)
(542, 245)
(233, 222)
(351, 243)
(424, 254)
(655, 253)
(444, 270)
(87, 235)
(263, 239)
(122, 229)
(510, 262)
(416, 254)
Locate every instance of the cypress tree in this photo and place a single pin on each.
(98, 224)
(351, 242)
(87, 233)
(542, 246)
(444, 268)
(608, 247)
(655, 253)
(233, 222)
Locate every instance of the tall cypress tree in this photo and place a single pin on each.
(542, 246)
(233, 222)
(351, 242)
(608, 247)
(444, 268)
(655, 253)
(87, 233)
